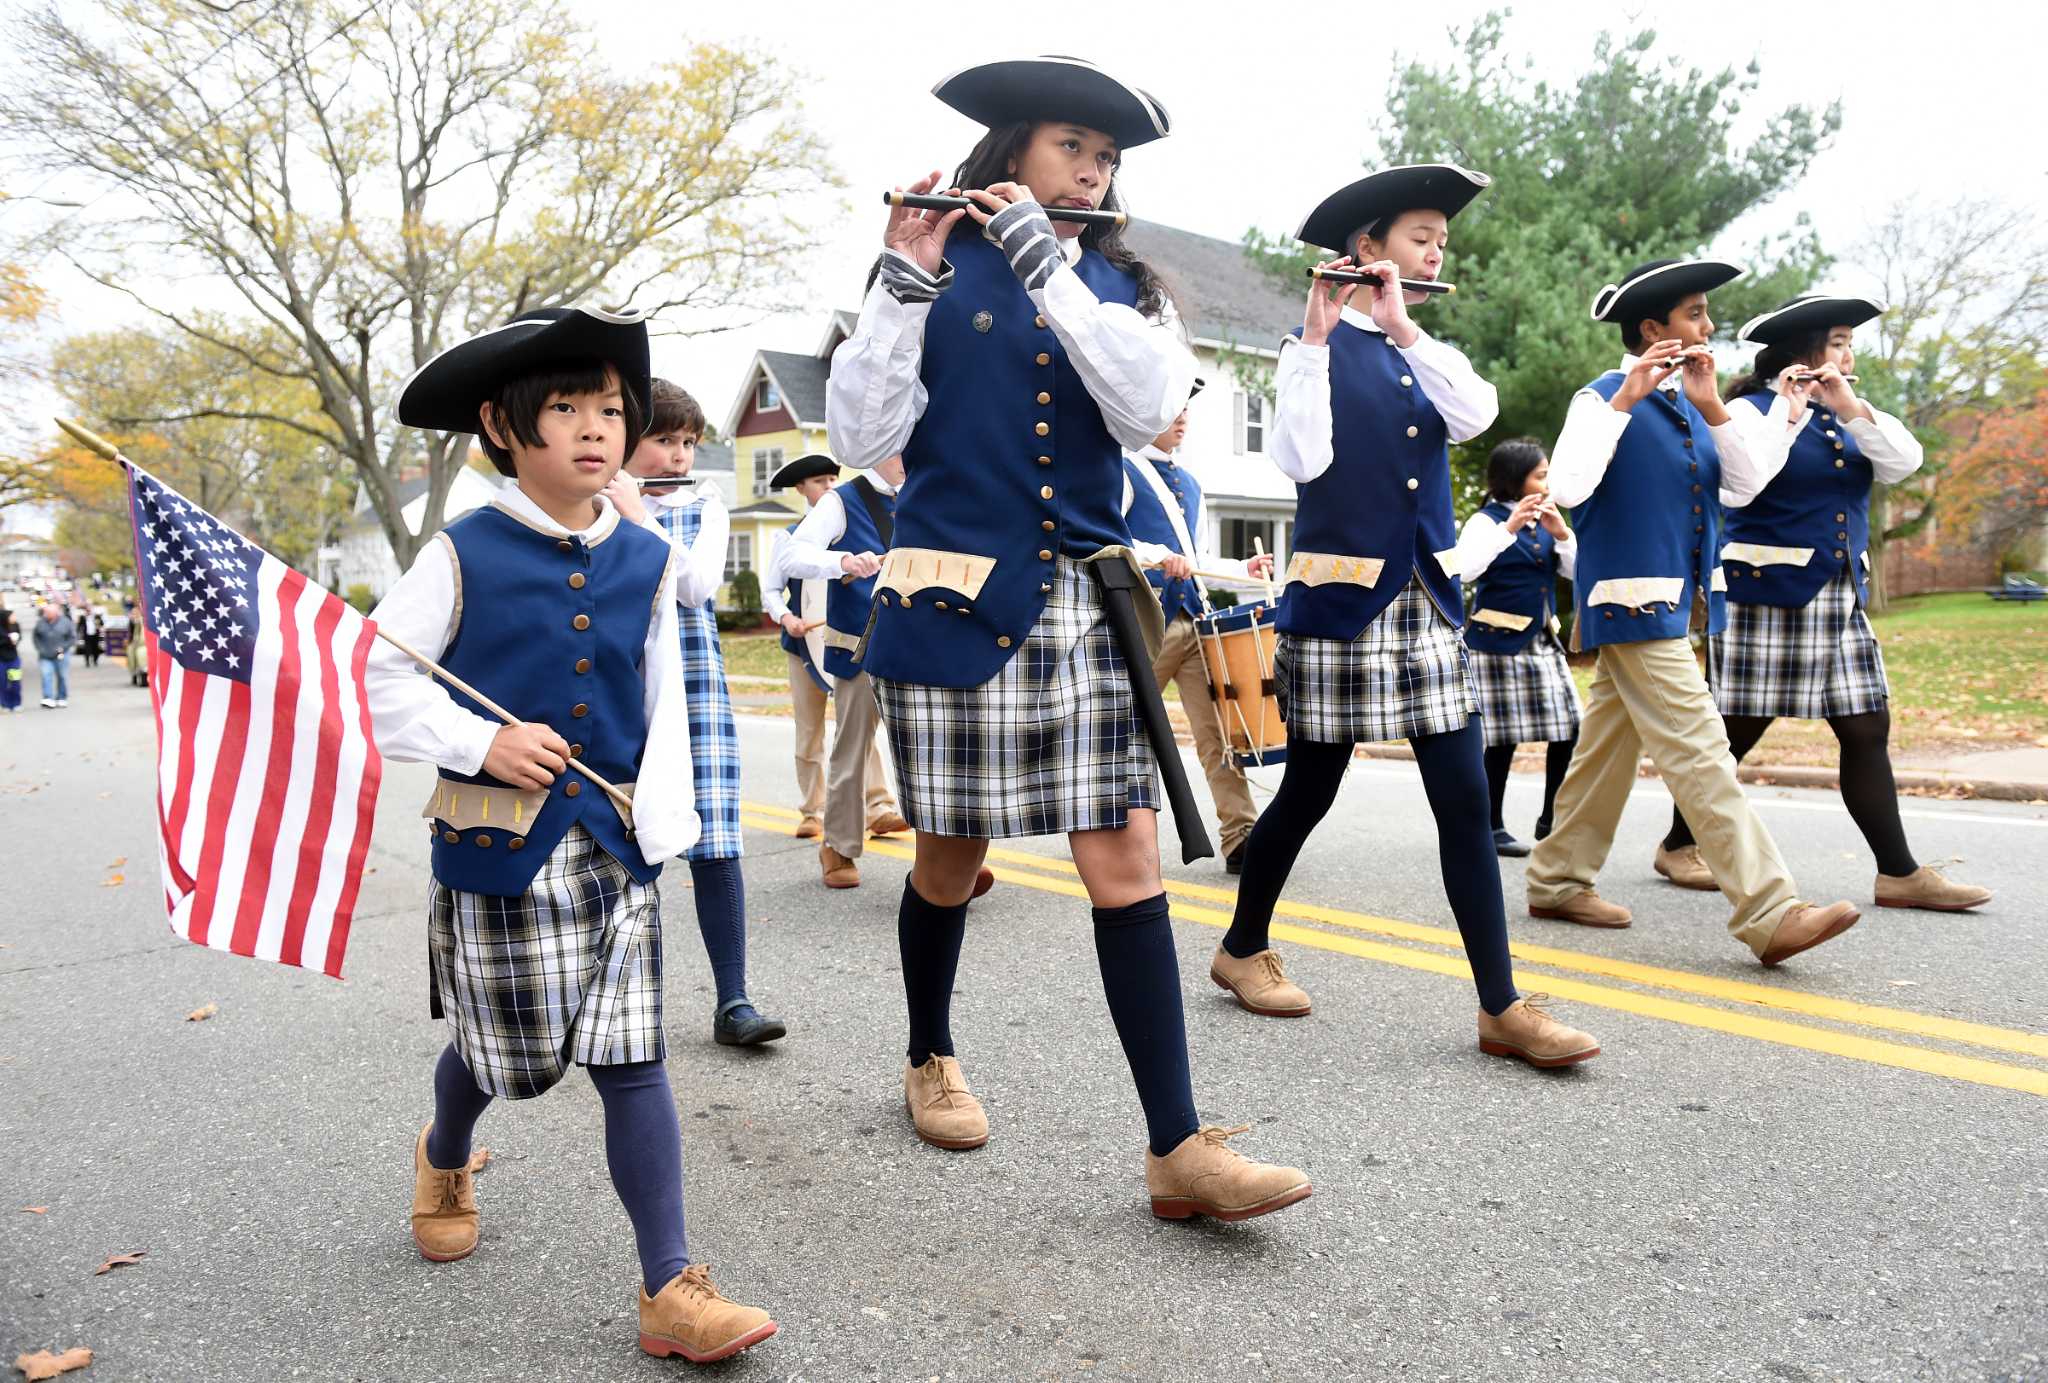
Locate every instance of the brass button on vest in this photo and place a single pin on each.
(1839, 463)
(575, 751)
(579, 710)
(1039, 321)
(580, 622)
(1045, 492)
(565, 545)
(1044, 397)
(1413, 483)
(1002, 641)
(516, 843)
(1044, 359)
(583, 664)
(1841, 518)
(1045, 554)
(1407, 381)
(451, 836)
(1046, 525)
(575, 580)
(1042, 428)
(484, 840)
(1413, 431)
(572, 788)
(1045, 460)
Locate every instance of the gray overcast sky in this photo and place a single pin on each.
(1936, 99)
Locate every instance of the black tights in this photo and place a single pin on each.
(1867, 788)
(1500, 761)
(1455, 785)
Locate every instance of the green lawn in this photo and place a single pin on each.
(1967, 672)
(754, 655)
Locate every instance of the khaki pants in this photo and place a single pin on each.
(856, 792)
(1180, 660)
(1651, 697)
(809, 700)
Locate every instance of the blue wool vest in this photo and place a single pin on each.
(1150, 523)
(793, 595)
(1386, 496)
(995, 473)
(849, 600)
(518, 643)
(1820, 501)
(1522, 581)
(1655, 517)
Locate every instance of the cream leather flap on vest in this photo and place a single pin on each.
(469, 806)
(1327, 568)
(1501, 619)
(908, 570)
(845, 643)
(1764, 555)
(1637, 592)
(1719, 580)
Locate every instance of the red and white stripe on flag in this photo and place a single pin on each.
(267, 771)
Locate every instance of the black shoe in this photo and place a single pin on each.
(1506, 845)
(738, 1025)
(1233, 863)
(1542, 827)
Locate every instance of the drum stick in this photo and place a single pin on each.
(1259, 549)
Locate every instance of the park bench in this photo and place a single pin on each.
(2018, 588)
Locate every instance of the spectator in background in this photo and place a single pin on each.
(92, 628)
(10, 662)
(55, 635)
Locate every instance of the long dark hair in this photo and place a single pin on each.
(989, 162)
(1777, 357)
(1507, 469)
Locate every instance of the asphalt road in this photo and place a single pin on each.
(1836, 1170)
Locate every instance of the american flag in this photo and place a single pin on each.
(266, 769)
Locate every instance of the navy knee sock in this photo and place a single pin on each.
(928, 939)
(643, 1146)
(1308, 785)
(722, 918)
(458, 1103)
(1141, 979)
(1455, 782)
(1500, 761)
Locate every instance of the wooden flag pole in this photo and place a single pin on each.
(100, 446)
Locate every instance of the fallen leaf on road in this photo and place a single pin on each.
(43, 1364)
(1904, 984)
(115, 882)
(200, 1015)
(35, 1210)
(118, 863)
(479, 1160)
(119, 1260)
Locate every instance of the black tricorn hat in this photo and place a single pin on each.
(1808, 312)
(446, 392)
(1381, 196)
(1056, 88)
(802, 469)
(1646, 289)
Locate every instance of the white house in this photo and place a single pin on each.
(363, 556)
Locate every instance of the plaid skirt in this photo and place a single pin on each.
(567, 972)
(714, 739)
(1403, 677)
(1048, 745)
(1819, 660)
(1526, 697)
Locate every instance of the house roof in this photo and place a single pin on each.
(714, 456)
(799, 379)
(1224, 295)
(764, 508)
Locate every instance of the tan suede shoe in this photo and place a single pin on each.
(888, 824)
(1259, 983)
(942, 1110)
(1928, 888)
(810, 828)
(1204, 1177)
(840, 872)
(689, 1317)
(1685, 868)
(1588, 909)
(1806, 926)
(444, 1218)
(1527, 1031)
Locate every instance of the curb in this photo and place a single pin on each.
(1939, 784)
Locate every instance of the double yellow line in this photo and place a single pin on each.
(1616, 984)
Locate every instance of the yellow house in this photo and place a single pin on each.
(778, 416)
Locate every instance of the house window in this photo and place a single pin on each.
(766, 399)
(767, 461)
(1251, 423)
(1237, 534)
(739, 554)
